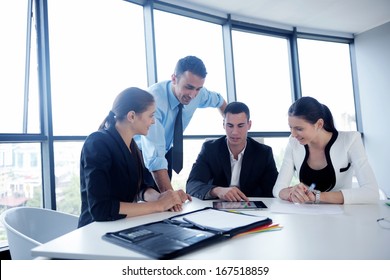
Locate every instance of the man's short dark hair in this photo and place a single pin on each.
(192, 64)
(237, 108)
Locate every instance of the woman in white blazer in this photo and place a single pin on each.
(324, 158)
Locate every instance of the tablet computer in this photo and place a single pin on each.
(239, 205)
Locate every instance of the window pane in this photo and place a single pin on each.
(67, 173)
(96, 50)
(262, 72)
(192, 148)
(13, 31)
(177, 37)
(278, 146)
(20, 177)
(326, 75)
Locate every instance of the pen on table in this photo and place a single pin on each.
(194, 224)
(240, 213)
(311, 188)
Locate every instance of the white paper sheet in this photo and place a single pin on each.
(311, 209)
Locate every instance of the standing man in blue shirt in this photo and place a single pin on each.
(186, 88)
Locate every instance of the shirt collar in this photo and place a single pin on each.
(239, 155)
(173, 102)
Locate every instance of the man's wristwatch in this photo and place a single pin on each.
(318, 196)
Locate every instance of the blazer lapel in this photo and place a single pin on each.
(247, 164)
(225, 160)
(127, 157)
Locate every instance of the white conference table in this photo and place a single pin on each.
(352, 234)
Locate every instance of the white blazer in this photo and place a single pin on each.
(347, 149)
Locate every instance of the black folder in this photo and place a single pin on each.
(184, 233)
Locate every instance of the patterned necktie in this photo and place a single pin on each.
(177, 153)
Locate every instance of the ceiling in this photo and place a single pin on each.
(342, 16)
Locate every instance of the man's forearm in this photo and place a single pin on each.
(222, 108)
(162, 180)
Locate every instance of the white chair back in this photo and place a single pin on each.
(28, 227)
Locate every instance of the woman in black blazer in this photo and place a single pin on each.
(111, 166)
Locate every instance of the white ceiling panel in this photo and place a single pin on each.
(346, 16)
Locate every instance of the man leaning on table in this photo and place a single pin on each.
(233, 167)
(176, 102)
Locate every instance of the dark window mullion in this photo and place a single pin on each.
(27, 66)
(48, 175)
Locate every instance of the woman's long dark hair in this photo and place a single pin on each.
(309, 109)
(130, 99)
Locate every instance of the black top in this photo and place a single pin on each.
(109, 174)
(325, 179)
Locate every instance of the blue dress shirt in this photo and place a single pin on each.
(159, 140)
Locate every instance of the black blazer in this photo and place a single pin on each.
(212, 168)
(109, 174)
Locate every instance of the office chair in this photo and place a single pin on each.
(382, 195)
(28, 227)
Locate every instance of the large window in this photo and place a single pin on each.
(96, 50)
(18, 85)
(262, 72)
(20, 163)
(325, 69)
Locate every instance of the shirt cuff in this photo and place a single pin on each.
(208, 194)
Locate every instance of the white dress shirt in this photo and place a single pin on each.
(236, 167)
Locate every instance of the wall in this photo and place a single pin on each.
(373, 69)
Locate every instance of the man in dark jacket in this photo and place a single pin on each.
(233, 167)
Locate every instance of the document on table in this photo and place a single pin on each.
(313, 209)
(220, 220)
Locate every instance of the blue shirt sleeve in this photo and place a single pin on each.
(156, 144)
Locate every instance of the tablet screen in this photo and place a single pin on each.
(239, 205)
